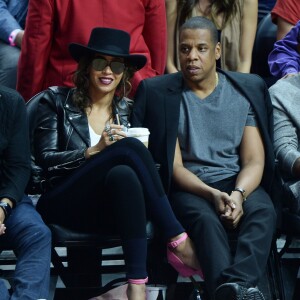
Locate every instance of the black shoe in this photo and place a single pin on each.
(235, 291)
(254, 294)
(231, 291)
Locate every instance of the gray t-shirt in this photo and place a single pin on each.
(211, 129)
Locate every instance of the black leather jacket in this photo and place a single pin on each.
(59, 130)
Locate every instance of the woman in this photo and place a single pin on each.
(101, 180)
(50, 63)
(235, 20)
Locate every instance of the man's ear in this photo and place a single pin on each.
(218, 51)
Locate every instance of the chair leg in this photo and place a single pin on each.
(85, 262)
(275, 274)
(83, 269)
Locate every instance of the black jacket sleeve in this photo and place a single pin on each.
(14, 145)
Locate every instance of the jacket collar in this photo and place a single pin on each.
(77, 118)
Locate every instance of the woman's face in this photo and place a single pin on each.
(106, 73)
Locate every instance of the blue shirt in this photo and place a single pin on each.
(285, 58)
(12, 16)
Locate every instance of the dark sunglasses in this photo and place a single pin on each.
(99, 64)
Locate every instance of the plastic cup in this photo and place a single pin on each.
(140, 133)
(156, 292)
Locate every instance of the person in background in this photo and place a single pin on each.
(266, 5)
(212, 135)
(284, 59)
(285, 96)
(53, 24)
(101, 180)
(21, 227)
(12, 23)
(236, 23)
(264, 8)
(285, 14)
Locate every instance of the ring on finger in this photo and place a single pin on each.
(111, 138)
(107, 128)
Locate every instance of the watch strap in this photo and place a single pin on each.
(242, 191)
(6, 209)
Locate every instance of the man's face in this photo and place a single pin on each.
(197, 55)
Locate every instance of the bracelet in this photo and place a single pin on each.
(242, 191)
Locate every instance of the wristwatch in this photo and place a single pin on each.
(242, 191)
(6, 208)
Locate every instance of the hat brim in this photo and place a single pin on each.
(77, 51)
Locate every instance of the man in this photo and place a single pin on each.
(21, 227)
(285, 96)
(211, 131)
(12, 23)
(284, 60)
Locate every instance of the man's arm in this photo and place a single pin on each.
(252, 157)
(286, 108)
(283, 27)
(189, 182)
(285, 58)
(16, 169)
(7, 22)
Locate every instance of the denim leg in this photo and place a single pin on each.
(3, 290)
(30, 239)
(9, 57)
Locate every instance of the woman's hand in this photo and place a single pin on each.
(111, 134)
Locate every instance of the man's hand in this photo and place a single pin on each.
(2, 226)
(232, 220)
(223, 203)
(19, 38)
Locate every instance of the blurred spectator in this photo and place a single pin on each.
(21, 227)
(266, 4)
(264, 8)
(284, 60)
(286, 13)
(285, 96)
(12, 21)
(53, 24)
(235, 20)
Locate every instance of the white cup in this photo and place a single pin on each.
(156, 292)
(140, 133)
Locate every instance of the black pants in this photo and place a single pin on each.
(254, 236)
(111, 193)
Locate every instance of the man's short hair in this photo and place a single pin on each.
(201, 23)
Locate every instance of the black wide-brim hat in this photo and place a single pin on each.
(108, 41)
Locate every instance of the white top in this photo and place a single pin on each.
(94, 136)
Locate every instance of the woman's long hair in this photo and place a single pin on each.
(81, 80)
(229, 8)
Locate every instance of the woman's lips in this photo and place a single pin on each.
(105, 80)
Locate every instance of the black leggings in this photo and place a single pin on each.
(111, 193)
